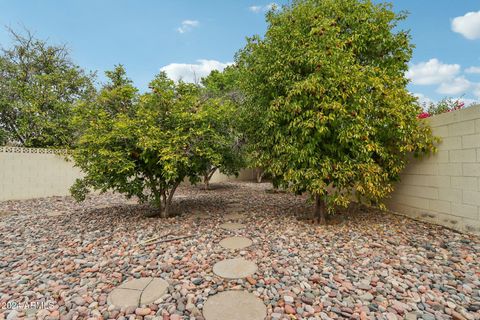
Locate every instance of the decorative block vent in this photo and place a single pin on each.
(33, 150)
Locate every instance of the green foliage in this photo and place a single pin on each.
(39, 86)
(222, 96)
(444, 105)
(224, 84)
(326, 89)
(146, 145)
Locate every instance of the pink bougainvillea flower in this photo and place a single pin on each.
(423, 115)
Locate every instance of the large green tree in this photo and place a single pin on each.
(327, 89)
(146, 145)
(39, 84)
(221, 104)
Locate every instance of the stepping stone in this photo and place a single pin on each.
(235, 243)
(54, 213)
(234, 268)
(138, 292)
(201, 215)
(234, 305)
(232, 226)
(136, 284)
(236, 207)
(155, 290)
(5, 213)
(234, 216)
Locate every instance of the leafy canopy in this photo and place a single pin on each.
(327, 92)
(225, 142)
(146, 145)
(39, 85)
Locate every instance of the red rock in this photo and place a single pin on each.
(55, 314)
(289, 309)
(347, 285)
(318, 308)
(143, 311)
(251, 280)
(363, 315)
(422, 289)
(457, 316)
(399, 307)
(176, 317)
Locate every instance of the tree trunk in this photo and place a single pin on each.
(166, 210)
(167, 199)
(163, 203)
(172, 192)
(206, 182)
(207, 177)
(157, 196)
(259, 173)
(319, 213)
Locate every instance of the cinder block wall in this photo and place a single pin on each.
(445, 187)
(27, 173)
(34, 173)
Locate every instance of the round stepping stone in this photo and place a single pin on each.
(234, 216)
(234, 268)
(234, 305)
(236, 243)
(201, 215)
(54, 213)
(155, 290)
(232, 226)
(137, 292)
(5, 213)
(236, 207)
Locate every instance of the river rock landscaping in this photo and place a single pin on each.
(365, 265)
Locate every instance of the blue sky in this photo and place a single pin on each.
(182, 36)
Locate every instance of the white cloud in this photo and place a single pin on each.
(458, 85)
(467, 101)
(432, 72)
(265, 8)
(188, 25)
(476, 90)
(193, 72)
(255, 9)
(472, 70)
(422, 99)
(271, 6)
(468, 25)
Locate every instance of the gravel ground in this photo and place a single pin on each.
(366, 265)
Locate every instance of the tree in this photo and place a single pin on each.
(39, 84)
(220, 113)
(326, 88)
(145, 145)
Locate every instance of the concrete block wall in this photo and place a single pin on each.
(445, 188)
(34, 173)
(27, 173)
